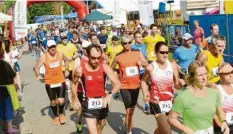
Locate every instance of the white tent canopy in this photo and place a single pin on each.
(4, 18)
(132, 5)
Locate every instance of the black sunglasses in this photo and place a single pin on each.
(125, 43)
(95, 58)
(163, 52)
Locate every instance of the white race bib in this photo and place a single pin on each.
(33, 42)
(165, 106)
(207, 131)
(44, 38)
(54, 64)
(215, 71)
(153, 54)
(131, 71)
(229, 118)
(55, 85)
(95, 103)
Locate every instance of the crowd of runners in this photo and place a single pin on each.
(193, 83)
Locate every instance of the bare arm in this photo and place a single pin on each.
(202, 58)
(144, 62)
(39, 63)
(113, 78)
(145, 77)
(66, 60)
(176, 79)
(75, 80)
(114, 63)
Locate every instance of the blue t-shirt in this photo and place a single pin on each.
(33, 40)
(41, 35)
(142, 49)
(69, 36)
(56, 39)
(184, 56)
(44, 43)
(102, 39)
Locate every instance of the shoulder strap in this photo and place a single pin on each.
(223, 93)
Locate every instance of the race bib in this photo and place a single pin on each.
(44, 38)
(207, 131)
(229, 118)
(165, 106)
(33, 42)
(95, 103)
(131, 71)
(153, 54)
(54, 64)
(55, 85)
(215, 71)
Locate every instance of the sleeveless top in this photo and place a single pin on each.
(93, 82)
(227, 100)
(53, 68)
(80, 84)
(161, 82)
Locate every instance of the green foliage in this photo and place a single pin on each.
(66, 7)
(8, 4)
(38, 10)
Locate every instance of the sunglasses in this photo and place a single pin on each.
(95, 58)
(53, 46)
(227, 73)
(115, 40)
(163, 52)
(125, 43)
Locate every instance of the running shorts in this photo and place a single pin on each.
(54, 93)
(98, 114)
(155, 109)
(129, 97)
(80, 97)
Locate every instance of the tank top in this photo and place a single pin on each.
(82, 64)
(227, 100)
(93, 82)
(161, 83)
(53, 68)
(129, 69)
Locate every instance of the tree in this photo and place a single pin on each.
(39, 10)
(8, 4)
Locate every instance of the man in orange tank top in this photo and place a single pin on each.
(54, 79)
(95, 104)
(129, 61)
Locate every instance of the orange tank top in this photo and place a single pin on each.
(129, 69)
(53, 69)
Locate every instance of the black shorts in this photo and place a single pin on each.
(70, 75)
(217, 130)
(130, 97)
(155, 109)
(98, 114)
(80, 97)
(54, 93)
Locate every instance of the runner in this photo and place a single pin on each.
(129, 61)
(111, 52)
(70, 51)
(185, 54)
(33, 42)
(225, 90)
(142, 48)
(197, 104)
(54, 79)
(151, 40)
(77, 64)
(95, 104)
(212, 58)
(163, 74)
(76, 40)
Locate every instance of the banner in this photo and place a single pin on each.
(146, 12)
(20, 19)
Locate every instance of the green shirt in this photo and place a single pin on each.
(197, 112)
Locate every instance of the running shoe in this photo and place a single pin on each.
(79, 128)
(62, 119)
(146, 108)
(56, 121)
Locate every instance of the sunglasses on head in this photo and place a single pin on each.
(163, 52)
(125, 43)
(95, 58)
(227, 73)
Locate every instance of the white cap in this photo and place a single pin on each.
(85, 44)
(51, 43)
(187, 36)
(139, 26)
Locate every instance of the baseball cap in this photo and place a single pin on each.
(187, 36)
(85, 44)
(63, 35)
(51, 43)
(225, 68)
(114, 38)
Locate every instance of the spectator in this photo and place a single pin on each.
(102, 36)
(198, 33)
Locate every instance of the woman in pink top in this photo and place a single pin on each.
(225, 90)
(198, 33)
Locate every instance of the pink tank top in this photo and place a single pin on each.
(161, 83)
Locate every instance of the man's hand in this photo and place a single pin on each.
(106, 100)
(225, 128)
(77, 105)
(39, 77)
(188, 131)
(146, 96)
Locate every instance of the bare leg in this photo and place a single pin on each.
(163, 125)
(128, 118)
(100, 125)
(91, 125)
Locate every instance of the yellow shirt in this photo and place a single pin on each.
(112, 51)
(212, 64)
(68, 51)
(150, 45)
